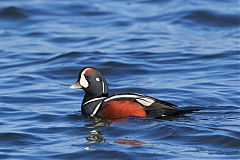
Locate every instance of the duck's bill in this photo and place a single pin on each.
(75, 86)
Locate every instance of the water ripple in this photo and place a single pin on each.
(185, 54)
(12, 13)
(19, 139)
(211, 18)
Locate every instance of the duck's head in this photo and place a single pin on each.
(92, 82)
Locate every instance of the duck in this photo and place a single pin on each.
(98, 103)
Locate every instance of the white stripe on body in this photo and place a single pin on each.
(145, 101)
(94, 99)
(122, 96)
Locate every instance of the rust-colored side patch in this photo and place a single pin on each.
(122, 108)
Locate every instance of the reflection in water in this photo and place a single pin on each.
(88, 148)
(126, 141)
(97, 136)
(98, 122)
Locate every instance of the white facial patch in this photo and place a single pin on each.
(97, 79)
(83, 80)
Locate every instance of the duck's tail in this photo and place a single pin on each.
(188, 110)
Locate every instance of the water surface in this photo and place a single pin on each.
(187, 54)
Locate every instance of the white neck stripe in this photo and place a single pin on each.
(103, 87)
(94, 99)
(96, 109)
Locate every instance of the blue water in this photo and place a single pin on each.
(186, 53)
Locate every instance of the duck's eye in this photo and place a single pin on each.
(97, 79)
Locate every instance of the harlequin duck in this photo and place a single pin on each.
(98, 103)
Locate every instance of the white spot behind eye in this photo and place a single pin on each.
(97, 79)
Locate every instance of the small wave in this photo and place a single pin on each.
(94, 154)
(71, 39)
(86, 10)
(18, 138)
(211, 18)
(70, 55)
(12, 13)
(76, 116)
(219, 141)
